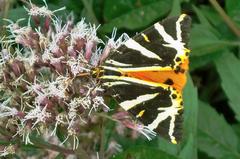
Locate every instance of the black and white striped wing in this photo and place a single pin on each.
(157, 106)
(162, 47)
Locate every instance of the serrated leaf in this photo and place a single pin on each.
(218, 26)
(189, 150)
(143, 152)
(190, 107)
(215, 136)
(140, 17)
(190, 121)
(228, 69)
(203, 41)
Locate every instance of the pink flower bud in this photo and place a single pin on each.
(17, 67)
(6, 76)
(71, 52)
(90, 48)
(105, 53)
(79, 44)
(57, 52)
(47, 23)
(20, 114)
(58, 66)
(44, 101)
(36, 20)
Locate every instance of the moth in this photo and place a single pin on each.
(146, 75)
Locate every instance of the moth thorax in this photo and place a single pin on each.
(97, 72)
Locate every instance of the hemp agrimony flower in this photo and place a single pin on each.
(46, 87)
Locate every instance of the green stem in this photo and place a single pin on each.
(231, 24)
(53, 147)
(102, 135)
(106, 116)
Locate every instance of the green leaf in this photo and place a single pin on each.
(143, 152)
(233, 10)
(215, 136)
(176, 8)
(60, 133)
(212, 16)
(217, 25)
(113, 9)
(60, 156)
(204, 41)
(190, 121)
(228, 69)
(168, 147)
(200, 61)
(189, 150)
(88, 12)
(30, 149)
(17, 13)
(201, 16)
(190, 107)
(140, 17)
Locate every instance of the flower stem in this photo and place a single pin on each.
(53, 147)
(231, 24)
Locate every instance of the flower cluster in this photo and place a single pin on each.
(47, 85)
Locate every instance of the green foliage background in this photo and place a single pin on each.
(212, 96)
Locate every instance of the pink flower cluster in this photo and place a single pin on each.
(46, 82)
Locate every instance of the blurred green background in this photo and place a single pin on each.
(212, 94)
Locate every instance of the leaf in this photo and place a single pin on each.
(143, 152)
(212, 16)
(201, 16)
(190, 121)
(215, 136)
(88, 12)
(189, 150)
(113, 9)
(168, 147)
(228, 69)
(204, 41)
(212, 35)
(59, 156)
(140, 17)
(60, 133)
(190, 107)
(30, 149)
(203, 155)
(176, 8)
(200, 61)
(233, 10)
(17, 13)
(217, 22)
